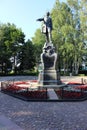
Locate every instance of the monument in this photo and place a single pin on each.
(47, 27)
(49, 74)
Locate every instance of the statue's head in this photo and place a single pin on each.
(47, 13)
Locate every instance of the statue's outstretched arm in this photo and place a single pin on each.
(40, 19)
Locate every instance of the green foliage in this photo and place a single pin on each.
(28, 56)
(38, 41)
(38, 38)
(68, 35)
(10, 40)
(63, 33)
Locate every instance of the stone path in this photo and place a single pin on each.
(43, 115)
(6, 124)
(52, 94)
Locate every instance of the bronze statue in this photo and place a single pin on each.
(47, 27)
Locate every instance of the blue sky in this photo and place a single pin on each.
(23, 13)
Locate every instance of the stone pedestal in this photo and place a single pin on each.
(49, 77)
(49, 74)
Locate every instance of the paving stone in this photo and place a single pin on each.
(52, 95)
(6, 124)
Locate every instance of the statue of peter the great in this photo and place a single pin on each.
(47, 27)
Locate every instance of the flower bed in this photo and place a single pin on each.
(37, 94)
(30, 90)
(74, 83)
(82, 87)
(69, 94)
(13, 88)
(17, 89)
(22, 82)
(75, 90)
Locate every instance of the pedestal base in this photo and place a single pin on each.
(49, 77)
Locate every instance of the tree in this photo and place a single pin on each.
(11, 39)
(68, 34)
(79, 46)
(38, 41)
(83, 20)
(28, 56)
(63, 33)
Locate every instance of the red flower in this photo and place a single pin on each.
(74, 83)
(22, 82)
(33, 80)
(69, 94)
(81, 87)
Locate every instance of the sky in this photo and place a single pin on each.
(23, 13)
